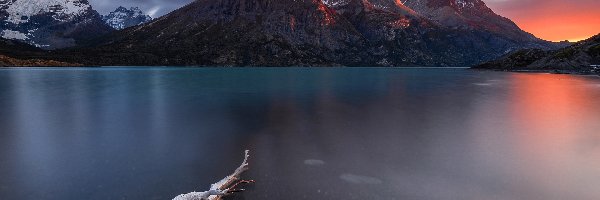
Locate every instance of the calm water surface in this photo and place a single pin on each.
(153, 133)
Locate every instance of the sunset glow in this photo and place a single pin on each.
(554, 20)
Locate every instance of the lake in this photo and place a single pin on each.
(314, 133)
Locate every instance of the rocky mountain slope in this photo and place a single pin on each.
(581, 57)
(468, 14)
(315, 32)
(238, 33)
(123, 18)
(397, 36)
(50, 24)
(479, 21)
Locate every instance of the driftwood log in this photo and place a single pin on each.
(222, 188)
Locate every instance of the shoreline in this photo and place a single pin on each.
(548, 71)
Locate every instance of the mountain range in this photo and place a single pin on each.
(56, 24)
(307, 33)
(50, 24)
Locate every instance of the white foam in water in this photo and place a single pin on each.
(313, 162)
(358, 179)
(487, 82)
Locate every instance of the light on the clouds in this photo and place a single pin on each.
(152, 12)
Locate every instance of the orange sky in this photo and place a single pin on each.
(553, 20)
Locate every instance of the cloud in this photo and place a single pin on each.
(153, 11)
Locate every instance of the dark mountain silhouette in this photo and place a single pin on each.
(582, 57)
(16, 53)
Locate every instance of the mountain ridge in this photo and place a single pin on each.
(312, 33)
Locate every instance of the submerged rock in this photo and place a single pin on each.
(358, 179)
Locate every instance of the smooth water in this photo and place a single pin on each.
(334, 133)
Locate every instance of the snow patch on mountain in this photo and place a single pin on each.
(19, 11)
(465, 4)
(14, 35)
(334, 3)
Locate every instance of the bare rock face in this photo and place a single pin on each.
(50, 24)
(469, 14)
(242, 33)
(394, 6)
(396, 35)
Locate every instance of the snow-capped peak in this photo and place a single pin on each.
(123, 18)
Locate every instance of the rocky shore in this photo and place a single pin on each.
(6, 61)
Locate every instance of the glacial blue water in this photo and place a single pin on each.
(314, 133)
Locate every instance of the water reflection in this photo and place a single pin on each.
(315, 133)
(556, 127)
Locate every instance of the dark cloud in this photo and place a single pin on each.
(155, 8)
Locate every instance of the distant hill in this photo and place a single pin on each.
(577, 57)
